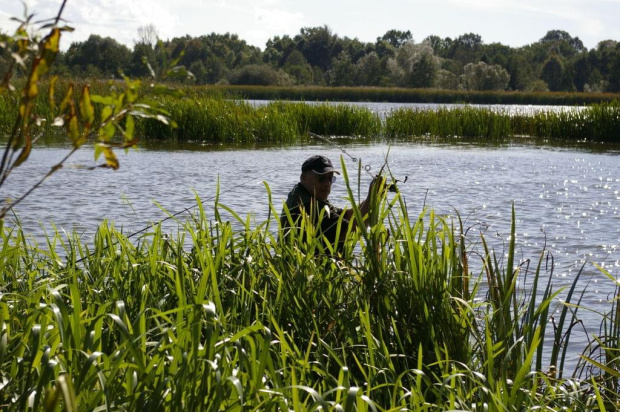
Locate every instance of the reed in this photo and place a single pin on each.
(233, 121)
(230, 314)
(212, 118)
(598, 122)
(402, 95)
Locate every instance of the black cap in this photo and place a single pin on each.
(319, 165)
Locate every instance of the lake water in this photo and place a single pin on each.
(384, 108)
(565, 198)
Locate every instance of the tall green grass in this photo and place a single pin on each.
(212, 118)
(230, 314)
(402, 95)
(231, 121)
(228, 121)
(599, 122)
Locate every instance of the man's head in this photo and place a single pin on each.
(317, 174)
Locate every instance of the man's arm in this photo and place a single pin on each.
(377, 188)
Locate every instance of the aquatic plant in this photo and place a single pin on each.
(228, 313)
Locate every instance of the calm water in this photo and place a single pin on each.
(565, 198)
(384, 108)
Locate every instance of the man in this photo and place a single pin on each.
(308, 200)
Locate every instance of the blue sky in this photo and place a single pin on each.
(510, 22)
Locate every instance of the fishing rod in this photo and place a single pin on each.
(187, 209)
(367, 168)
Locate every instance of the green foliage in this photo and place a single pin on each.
(29, 115)
(552, 73)
(599, 122)
(260, 75)
(100, 57)
(228, 121)
(317, 56)
(404, 95)
(227, 315)
(481, 76)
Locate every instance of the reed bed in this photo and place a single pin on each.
(402, 95)
(229, 314)
(218, 120)
(235, 121)
(599, 122)
(229, 121)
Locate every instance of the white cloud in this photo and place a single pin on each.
(511, 22)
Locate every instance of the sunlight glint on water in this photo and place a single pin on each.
(564, 199)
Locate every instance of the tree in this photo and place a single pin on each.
(581, 71)
(466, 48)
(440, 46)
(552, 73)
(278, 49)
(496, 53)
(102, 53)
(520, 69)
(614, 76)
(316, 44)
(342, 72)
(396, 38)
(560, 38)
(143, 56)
(148, 35)
(298, 68)
(445, 79)
(481, 76)
(370, 71)
(414, 65)
(259, 75)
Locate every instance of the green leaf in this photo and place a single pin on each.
(86, 107)
(129, 128)
(98, 151)
(23, 156)
(50, 95)
(107, 100)
(106, 132)
(110, 157)
(74, 130)
(162, 90)
(67, 100)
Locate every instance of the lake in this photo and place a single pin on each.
(565, 198)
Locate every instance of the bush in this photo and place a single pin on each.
(260, 75)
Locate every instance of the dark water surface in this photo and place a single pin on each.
(565, 198)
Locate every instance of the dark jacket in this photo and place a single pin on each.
(300, 201)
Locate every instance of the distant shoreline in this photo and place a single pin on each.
(402, 95)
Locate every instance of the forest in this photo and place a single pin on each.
(316, 56)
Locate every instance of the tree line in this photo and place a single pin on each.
(318, 57)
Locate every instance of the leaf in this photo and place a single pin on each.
(106, 132)
(129, 128)
(167, 91)
(32, 89)
(67, 100)
(148, 66)
(74, 130)
(86, 107)
(110, 157)
(50, 95)
(107, 100)
(23, 156)
(98, 150)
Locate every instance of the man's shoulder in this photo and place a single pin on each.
(298, 196)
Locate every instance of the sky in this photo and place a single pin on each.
(514, 23)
